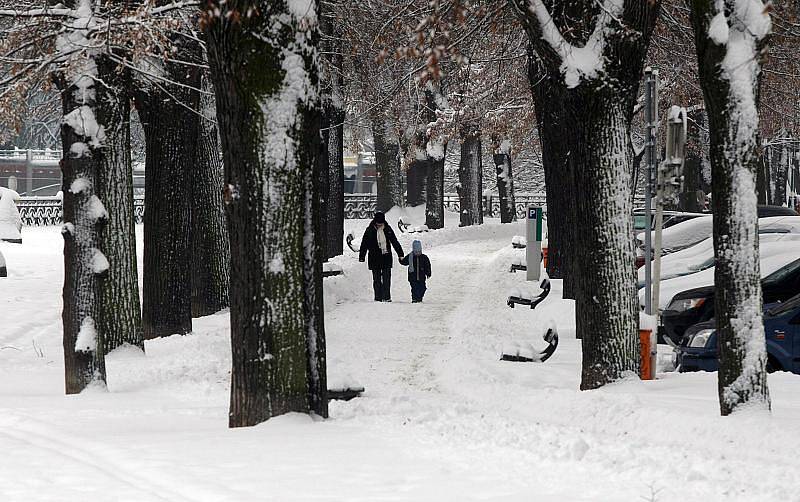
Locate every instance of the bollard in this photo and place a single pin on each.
(648, 348)
(647, 370)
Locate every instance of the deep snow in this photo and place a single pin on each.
(442, 419)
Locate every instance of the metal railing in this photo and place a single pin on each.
(42, 211)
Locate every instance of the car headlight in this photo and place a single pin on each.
(700, 339)
(685, 304)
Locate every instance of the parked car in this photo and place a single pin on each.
(767, 211)
(670, 218)
(699, 349)
(701, 256)
(692, 306)
(689, 233)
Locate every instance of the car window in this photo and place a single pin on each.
(705, 264)
(782, 273)
(790, 304)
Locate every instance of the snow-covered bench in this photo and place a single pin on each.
(411, 229)
(527, 353)
(518, 242)
(350, 238)
(518, 262)
(331, 269)
(345, 393)
(523, 295)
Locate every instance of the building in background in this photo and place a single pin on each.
(359, 170)
(31, 172)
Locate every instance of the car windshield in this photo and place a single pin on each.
(790, 304)
(782, 273)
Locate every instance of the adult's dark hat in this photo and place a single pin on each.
(379, 217)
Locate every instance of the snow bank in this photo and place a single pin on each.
(10, 221)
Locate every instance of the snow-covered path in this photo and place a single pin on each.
(442, 419)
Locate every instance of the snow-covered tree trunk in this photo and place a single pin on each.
(582, 50)
(730, 37)
(210, 260)
(119, 318)
(171, 131)
(606, 308)
(387, 165)
(264, 67)
(470, 178)
(83, 137)
(505, 182)
(83, 362)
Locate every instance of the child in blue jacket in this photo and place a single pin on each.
(419, 270)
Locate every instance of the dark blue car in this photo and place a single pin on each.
(699, 348)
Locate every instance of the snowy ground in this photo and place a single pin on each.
(442, 418)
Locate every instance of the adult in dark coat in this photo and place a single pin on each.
(378, 241)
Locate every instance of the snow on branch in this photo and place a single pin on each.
(740, 33)
(579, 63)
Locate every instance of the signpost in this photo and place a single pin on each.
(670, 183)
(651, 119)
(533, 242)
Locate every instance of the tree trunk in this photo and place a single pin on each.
(733, 124)
(312, 267)
(334, 113)
(119, 319)
(505, 184)
(561, 192)
(335, 199)
(277, 335)
(783, 161)
(322, 173)
(387, 166)
(762, 179)
(693, 165)
(416, 174)
(170, 130)
(436, 150)
(470, 178)
(84, 363)
(606, 306)
(598, 111)
(210, 258)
